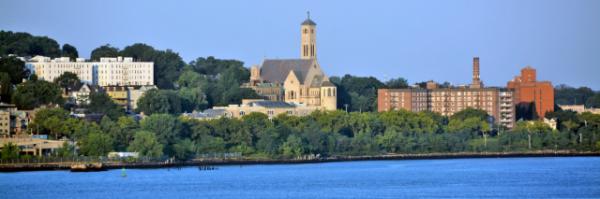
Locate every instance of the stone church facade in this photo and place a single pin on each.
(298, 81)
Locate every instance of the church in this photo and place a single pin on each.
(298, 81)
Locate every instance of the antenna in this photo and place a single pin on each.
(308, 14)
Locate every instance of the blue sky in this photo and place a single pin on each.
(417, 40)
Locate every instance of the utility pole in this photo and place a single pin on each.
(529, 138)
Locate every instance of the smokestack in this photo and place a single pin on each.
(476, 83)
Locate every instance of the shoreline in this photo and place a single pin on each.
(251, 161)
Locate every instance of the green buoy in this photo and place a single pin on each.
(123, 174)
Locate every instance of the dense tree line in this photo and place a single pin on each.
(330, 133)
(25, 44)
(566, 95)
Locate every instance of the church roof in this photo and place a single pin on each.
(327, 84)
(276, 70)
(272, 104)
(309, 22)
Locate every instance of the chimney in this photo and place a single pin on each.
(476, 83)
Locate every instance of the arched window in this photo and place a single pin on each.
(305, 31)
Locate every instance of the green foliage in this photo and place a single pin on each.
(96, 144)
(101, 103)
(470, 112)
(69, 51)
(396, 83)
(184, 149)
(593, 101)
(359, 93)
(160, 101)
(146, 144)
(292, 147)
(68, 81)
(167, 64)
(24, 44)
(166, 127)
(104, 51)
(6, 88)
(564, 94)
(10, 151)
(66, 150)
(15, 68)
(32, 94)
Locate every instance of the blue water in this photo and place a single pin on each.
(568, 177)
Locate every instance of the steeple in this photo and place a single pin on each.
(308, 47)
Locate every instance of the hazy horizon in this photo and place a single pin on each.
(416, 40)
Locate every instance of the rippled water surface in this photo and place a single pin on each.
(565, 177)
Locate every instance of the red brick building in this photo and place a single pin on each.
(497, 102)
(528, 91)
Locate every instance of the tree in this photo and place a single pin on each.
(146, 144)
(396, 83)
(68, 81)
(6, 88)
(15, 68)
(359, 93)
(166, 127)
(184, 149)
(468, 113)
(10, 151)
(96, 144)
(104, 51)
(212, 66)
(126, 126)
(159, 101)
(32, 94)
(593, 101)
(564, 94)
(69, 51)
(24, 44)
(101, 103)
(66, 150)
(292, 147)
(167, 64)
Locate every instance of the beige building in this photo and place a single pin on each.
(4, 123)
(33, 146)
(579, 109)
(269, 108)
(107, 72)
(127, 96)
(498, 103)
(298, 81)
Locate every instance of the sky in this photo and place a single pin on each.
(416, 40)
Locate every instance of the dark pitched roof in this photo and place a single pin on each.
(276, 70)
(309, 22)
(328, 84)
(272, 104)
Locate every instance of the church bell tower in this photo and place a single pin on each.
(308, 47)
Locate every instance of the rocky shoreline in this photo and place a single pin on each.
(251, 161)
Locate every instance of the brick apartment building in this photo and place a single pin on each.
(530, 92)
(497, 102)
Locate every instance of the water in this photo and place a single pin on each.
(567, 177)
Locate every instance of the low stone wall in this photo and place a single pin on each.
(7, 167)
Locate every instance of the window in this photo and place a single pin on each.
(305, 31)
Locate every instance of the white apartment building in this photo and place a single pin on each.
(109, 71)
